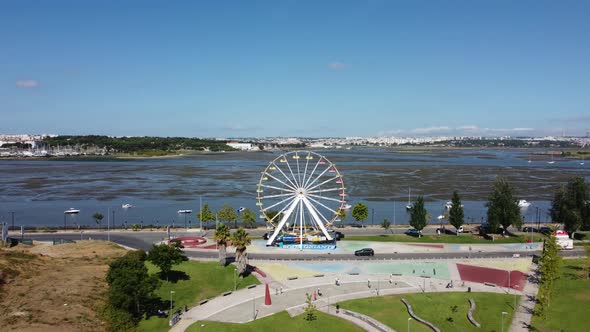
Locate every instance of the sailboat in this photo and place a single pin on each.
(409, 206)
(582, 162)
(552, 161)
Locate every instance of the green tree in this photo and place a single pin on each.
(386, 224)
(164, 256)
(98, 218)
(221, 236)
(310, 309)
(503, 206)
(549, 264)
(342, 215)
(272, 213)
(228, 214)
(241, 239)
(248, 218)
(131, 290)
(360, 212)
(418, 215)
(456, 212)
(571, 205)
(206, 215)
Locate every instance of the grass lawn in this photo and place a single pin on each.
(281, 322)
(444, 238)
(205, 280)
(437, 308)
(570, 302)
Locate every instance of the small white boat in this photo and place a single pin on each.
(346, 207)
(522, 203)
(71, 211)
(127, 206)
(449, 205)
(185, 211)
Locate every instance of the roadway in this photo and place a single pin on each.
(144, 241)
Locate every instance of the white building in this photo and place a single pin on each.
(243, 146)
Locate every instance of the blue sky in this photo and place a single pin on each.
(294, 68)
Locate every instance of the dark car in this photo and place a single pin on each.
(545, 230)
(365, 252)
(529, 229)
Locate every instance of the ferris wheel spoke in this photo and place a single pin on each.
(312, 172)
(277, 188)
(326, 198)
(323, 183)
(324, 190)
(276, 196)
(298, 171)
(318, 177)
(316, 217)
(283, 183)
(294, 185)
(322, 205)
(278, 203)
(291, 170)
(319, 214)
(305, 169)
(288, 211)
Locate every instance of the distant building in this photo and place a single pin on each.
(243, 146)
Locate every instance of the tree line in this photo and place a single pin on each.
(134, 144)
(229, 215)
(570, 207)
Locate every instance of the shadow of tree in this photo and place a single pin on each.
(174, 276)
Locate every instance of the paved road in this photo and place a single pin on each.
(145, 240)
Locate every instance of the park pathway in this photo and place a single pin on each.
(524, 313)
(248, 304)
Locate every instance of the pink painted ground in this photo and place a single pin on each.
(438, 246)
(495, 276)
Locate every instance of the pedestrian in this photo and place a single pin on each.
(337, 308)
(315, 296)
(319, 293)
(281, 290)
(369, 283)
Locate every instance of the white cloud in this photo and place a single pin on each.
(27, 83)
(466, 130)
(337, 65)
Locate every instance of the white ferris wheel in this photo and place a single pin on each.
(301, 194)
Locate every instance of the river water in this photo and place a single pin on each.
(39, 191)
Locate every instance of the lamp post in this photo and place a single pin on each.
(503, 313)
(235, 278)
(409, 319)
(12, 220)
(170, 313)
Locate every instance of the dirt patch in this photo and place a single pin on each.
(55, 288)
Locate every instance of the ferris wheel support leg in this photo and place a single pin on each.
(317, 219)
(286, 216)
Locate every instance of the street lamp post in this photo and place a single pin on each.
(409, 319)
(12, 221)
(503, 313)
(235, 277)
(170, 313)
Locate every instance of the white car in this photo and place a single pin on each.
(460, 229)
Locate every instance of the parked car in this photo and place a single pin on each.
(529, 229)
(545, 230)
(412, 231)
(365, 252)
(460, 229)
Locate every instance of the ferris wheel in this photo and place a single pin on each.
(301, 194)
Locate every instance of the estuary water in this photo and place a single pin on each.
(37, 192)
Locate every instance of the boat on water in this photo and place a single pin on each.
(449, 205)
(522, 203)
(409, 206)
(552, 161)
(346, 207)
(72, 211)
(127, 206)
(185, 211)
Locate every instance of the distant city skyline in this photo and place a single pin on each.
(295, 68)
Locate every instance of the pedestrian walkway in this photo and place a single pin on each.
(364, 322)
(248, 304)
(524, 313)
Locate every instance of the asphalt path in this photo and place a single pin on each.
(144, 241)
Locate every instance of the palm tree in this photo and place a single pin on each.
(240, 239)
(98, 218)
(221, 236)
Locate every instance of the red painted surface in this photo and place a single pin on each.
(494, 276)
(438, 246)
(259, 271)
(190, 241)
(267, 300)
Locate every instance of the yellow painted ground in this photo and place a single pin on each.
(282, 272)
(515, 264)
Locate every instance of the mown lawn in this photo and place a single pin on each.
(444, 238)
(280, 322)
(570, 304)
(438, 308)
(203, 280)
